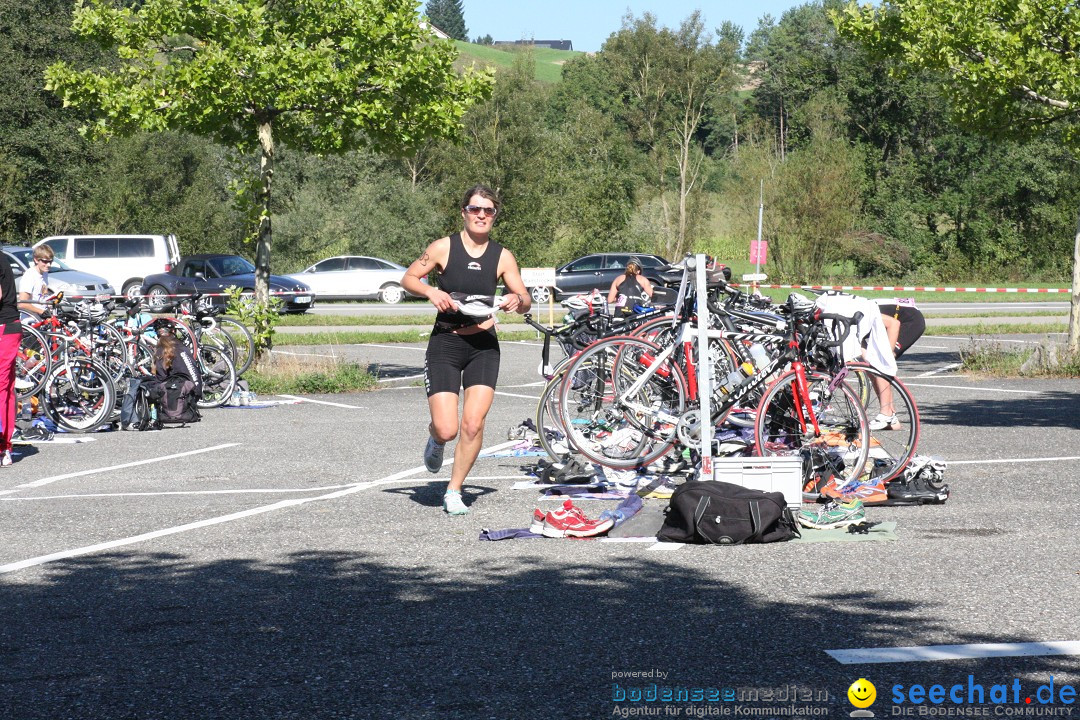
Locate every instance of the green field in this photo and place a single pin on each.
(548, 62)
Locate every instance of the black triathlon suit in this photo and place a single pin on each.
(912, 325)
(454, 360)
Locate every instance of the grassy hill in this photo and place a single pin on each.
(548, 62)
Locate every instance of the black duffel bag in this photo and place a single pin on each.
(721, 513)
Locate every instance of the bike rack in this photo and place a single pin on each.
(705, 378)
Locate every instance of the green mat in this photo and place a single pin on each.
(880, 531)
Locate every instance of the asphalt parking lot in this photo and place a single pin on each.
(293, 562)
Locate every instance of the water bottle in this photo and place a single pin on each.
(617, 516)
(760, 356)
(737, 377)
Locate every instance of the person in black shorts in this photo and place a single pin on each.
(629, 289)
(904, 324)
(463, 350)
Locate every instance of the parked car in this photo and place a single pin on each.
(355, 277)
(123, 260)
(596, 271)
(61, 278)
(213, 273)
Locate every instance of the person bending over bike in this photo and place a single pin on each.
(904, 324)
(463, 349)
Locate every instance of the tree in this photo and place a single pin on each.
(667, 82)
(448, 16)
(324, 75)
(1008, 68)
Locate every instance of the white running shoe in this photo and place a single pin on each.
(885, 422)
(453, 504)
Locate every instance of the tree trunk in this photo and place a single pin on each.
(262, 247)
(1074, 312)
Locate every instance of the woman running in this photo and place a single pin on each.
(463, 349)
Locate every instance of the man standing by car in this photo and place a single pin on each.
(34, 284)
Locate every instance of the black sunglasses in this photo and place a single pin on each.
(480, 210)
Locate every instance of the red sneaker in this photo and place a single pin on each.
(569, 521)
(537, 525)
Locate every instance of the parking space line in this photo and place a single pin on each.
(978, 389)
(528, 397)
(946, 368)
(280, 505)
(404, 377)
(1013, 460)
(323, 402)
(82, 473)
(245, 491)
(933, 653)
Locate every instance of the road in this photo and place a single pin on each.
(292, 562)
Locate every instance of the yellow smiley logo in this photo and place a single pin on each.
(862, 693)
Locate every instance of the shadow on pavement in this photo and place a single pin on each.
(339, 635)
(1048, 409)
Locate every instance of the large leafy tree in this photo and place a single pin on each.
(324, 75)
(663, 84)
(448, 16)
(1008, 67)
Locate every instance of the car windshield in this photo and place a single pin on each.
(231, 265)
(26, 257)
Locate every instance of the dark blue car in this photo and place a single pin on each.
(213, 273)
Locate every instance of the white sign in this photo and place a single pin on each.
(755, 277)
(538, 277)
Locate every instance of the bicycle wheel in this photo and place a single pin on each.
(108, 348)
(218, 338)
(548, 421)
(784, 428)
(891, 448)
(245, 343)
(32, 363)
(613, 419)
(79, 395)
(218, 376)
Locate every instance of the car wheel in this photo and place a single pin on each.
(133, 289)
(392, 294)
(540, 294)
(157, 297)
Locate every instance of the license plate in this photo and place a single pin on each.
(302, 299)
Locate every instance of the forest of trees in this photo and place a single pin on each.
(659, 142)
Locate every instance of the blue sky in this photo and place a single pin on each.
(588, 23)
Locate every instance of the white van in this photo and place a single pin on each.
(124, 260)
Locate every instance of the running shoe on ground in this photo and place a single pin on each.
(453, 504)
(870, 492)
(885, 422)
(569, 521)
(23, 384)
(833, 515)
(537, 524)
(916, 491)
(433, 454)
(5, 459)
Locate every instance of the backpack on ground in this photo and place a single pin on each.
(721, 513)
(176, 399)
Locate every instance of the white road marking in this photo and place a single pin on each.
(248, 491)
(530, 397)
(405, 377)
(933, 653)
(395, 347)
(323, 402)
(945, 368)
(532, 384)
(977, 389)
(1013, 460)
(404, 475)
(295, 354)
(81, 473)
(666, 546)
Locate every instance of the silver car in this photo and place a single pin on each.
(73, 283)
(354, 277)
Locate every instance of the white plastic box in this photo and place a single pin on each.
(771, 474)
